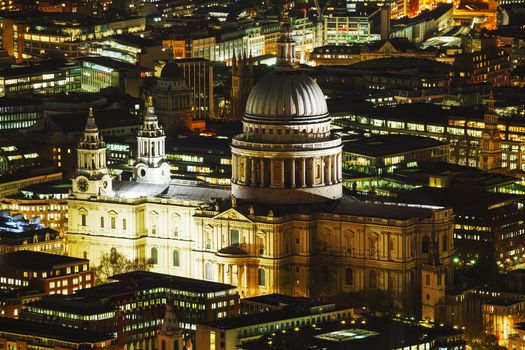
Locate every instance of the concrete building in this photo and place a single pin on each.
(383, 154)
(99, 72)
(198, 74)
(46, 77)
(50, 273)
(132, 305)
(20, 234)
(173, 102)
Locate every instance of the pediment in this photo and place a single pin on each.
(232, 214)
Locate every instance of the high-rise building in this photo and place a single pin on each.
(198, 74)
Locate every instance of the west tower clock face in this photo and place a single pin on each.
(82, 184)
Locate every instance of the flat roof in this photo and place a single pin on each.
(42, 67)
(23, 327)
(384, 145)
(357, 334)
(265, 317)
(460, 198)
(113, 63)
(28, 259)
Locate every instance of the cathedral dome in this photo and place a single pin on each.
(286, 94)
(172, 71)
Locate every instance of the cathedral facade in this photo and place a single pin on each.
(285, 226)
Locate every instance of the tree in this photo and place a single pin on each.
(489, 342)
(116, 263)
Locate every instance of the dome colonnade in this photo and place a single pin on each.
(286, 153)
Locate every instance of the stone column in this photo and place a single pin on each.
(272, 165)
(234, 168)
(329, 169)
(322, 169)
(253, 172)
(245, 160)
(311, 161)
(334, 169)
(262, 178)
(303, 172)
(245, 278)
(221, 273)
(292, 182)
(282, 172)
(340, 167)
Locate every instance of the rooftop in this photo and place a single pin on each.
(105, 119)
(345, 206)
(19, 327)
(383, 145)
(37, 261)
(135, 40)
(265, 317)
(42, 67)
(113, 63)
(365, 333)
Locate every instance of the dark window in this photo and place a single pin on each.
(349, 276)
(372, 280)
(425, 245)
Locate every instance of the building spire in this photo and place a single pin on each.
(90, 124)
(169, 325)
(285, 46)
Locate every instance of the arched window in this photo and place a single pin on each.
(349, 276)
(261, 277)
(85, 255)
(208, 271)
(444, 241)
(176, 258)
(425, 245)
(163, 344)
(113, 255)
(372, 279)
(154, 256)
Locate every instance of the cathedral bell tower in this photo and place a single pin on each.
(433, 280)
(490, 144)
(242, 84)
(151, 166)
(170, 336)
(286, 46)
(92, 175)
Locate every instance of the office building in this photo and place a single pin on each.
(50, 273)
(46, 77)
(383, 154)
(133, 304)
(198, 74)
(18, 233)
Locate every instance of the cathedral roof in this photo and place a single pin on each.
(286, 94)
